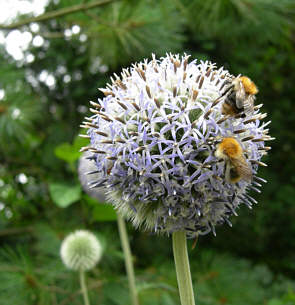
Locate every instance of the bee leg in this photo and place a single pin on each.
(216, 101)
(195, 242)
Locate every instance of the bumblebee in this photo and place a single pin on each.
(236, 166)
(239, 97)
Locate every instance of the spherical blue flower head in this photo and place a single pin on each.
(154, 137)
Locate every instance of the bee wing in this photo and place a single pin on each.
(249, 104)
(240, 98)
(242, 168)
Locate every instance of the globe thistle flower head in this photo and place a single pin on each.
(81, 250)
(86, 170)
(154, 138)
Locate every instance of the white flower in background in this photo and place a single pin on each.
(81, 250)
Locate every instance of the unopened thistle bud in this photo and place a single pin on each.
(177, 144)
(81, 250)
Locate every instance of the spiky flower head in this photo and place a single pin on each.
(81, 250)
(153, 139)
(86, 169)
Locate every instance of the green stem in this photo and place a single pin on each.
(84, 287)
(128, 259)
(182, 267)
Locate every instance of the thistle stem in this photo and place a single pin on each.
(84, 287)
(128, 259)
(182, 267)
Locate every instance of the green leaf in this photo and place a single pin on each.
(274, 302)
(104, 212)
(63, 194)
(67, 152)
(80, 142)
(101, 211)
(70, 153)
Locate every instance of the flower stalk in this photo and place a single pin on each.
(128, 259)
(87, 169)
(182, 267)
(84, 287)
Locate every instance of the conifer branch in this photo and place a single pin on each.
(56, 14)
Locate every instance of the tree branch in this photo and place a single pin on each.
(56, 14)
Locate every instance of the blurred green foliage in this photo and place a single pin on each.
(218, 278)
(42, 103)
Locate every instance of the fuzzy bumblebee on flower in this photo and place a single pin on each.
(177, 145)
